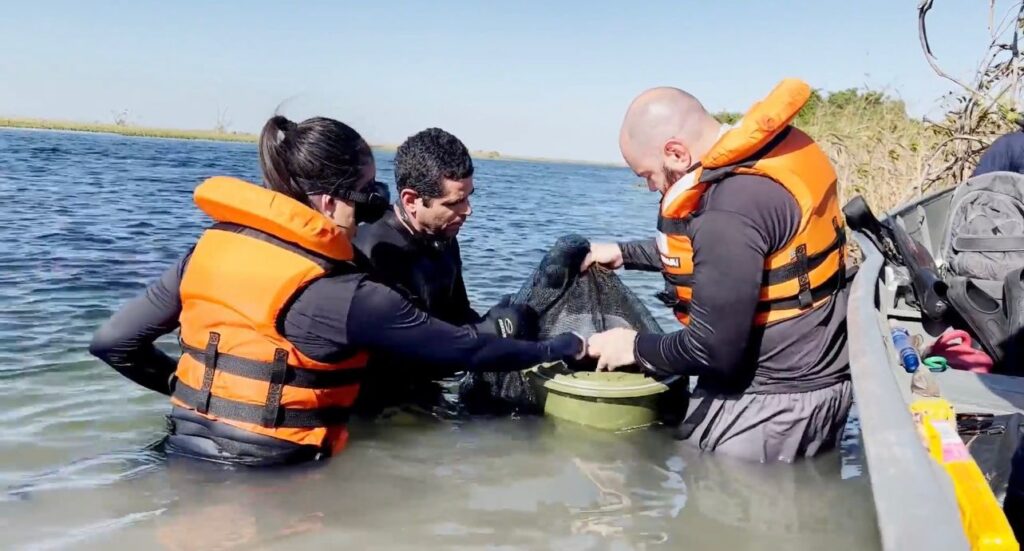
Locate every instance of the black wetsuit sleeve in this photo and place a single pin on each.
(726, 286)
(381, 319)
(641, 254)
(730, 244)
(126, 340)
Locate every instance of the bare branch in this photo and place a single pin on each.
(991, 15)
(1004, 23)
(923, 8)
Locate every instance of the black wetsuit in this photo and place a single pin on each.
(742, 220)
(427, 272)
(327, 320)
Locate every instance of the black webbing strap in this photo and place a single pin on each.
(325, 263)
(255, 413)
(801, 268)
(831, 286)
(803, 276)
(278, 370)
(795, 268)
(673, 226)
(202, 401)
(995, 243)
(694, 419)
(678, 280)
(294, 376)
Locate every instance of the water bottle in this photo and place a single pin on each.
(908, 354)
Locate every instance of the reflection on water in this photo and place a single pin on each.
(80, 464)
(539, 484)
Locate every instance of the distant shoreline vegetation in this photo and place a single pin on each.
(127, 130)
(221, 136)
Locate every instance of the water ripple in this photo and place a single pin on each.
(90, 220)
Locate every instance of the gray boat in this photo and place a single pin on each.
(913, 496)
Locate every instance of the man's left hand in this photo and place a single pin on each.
(613, 348)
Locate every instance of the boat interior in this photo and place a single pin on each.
(992, 393)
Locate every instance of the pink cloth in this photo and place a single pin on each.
(955, 346)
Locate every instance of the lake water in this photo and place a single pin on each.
(89, 220)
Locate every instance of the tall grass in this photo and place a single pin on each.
(877, 150)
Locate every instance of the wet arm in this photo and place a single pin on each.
(380, 319)
(641, 254)
(727, 281)
(126, 340)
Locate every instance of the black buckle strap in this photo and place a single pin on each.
(793, 269)
(223, 408)
(667, 296)
(803, 277)
(294, 376)
(831, 286)
(278, 371)
(841, 237)
(202, 403)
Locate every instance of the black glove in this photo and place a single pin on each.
(570, 347)
(510, 321)
(562, 264)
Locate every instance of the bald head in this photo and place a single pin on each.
(660, 114)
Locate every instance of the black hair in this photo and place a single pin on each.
(428, 158)
(317, 156)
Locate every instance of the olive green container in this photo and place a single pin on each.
(604, 400)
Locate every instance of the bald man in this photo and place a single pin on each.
(751, 244)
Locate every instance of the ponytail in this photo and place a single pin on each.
(274, 146)
(318, 155)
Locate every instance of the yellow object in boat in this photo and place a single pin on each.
(983, 520)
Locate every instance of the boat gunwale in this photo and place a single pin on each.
(915, 504)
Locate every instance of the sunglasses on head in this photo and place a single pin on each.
(371, 203)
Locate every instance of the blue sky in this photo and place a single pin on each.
(542, 78)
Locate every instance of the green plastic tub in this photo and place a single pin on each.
(615, 400)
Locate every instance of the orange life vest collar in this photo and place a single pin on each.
(761, 123)
(235, 201)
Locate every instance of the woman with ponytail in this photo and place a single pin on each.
(277, 319)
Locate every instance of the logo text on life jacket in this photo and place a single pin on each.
(669, 262)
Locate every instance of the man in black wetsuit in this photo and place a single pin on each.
(414, 249)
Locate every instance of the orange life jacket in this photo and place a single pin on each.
(809, 269)
(236, 367)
